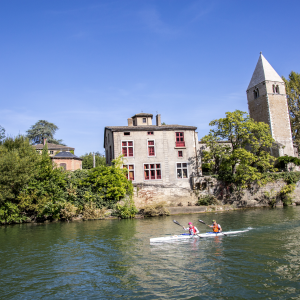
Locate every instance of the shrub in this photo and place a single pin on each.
(285, 194)
(90, 211)
(207, 200)
(271, 197)
(127, 210)
(69, 211)
(155, 209)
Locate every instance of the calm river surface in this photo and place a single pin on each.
(113, 259)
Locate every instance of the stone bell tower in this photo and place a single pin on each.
(267, 102)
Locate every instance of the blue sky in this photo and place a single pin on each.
(84, 65)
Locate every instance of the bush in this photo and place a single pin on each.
(285, 194)
(69, 211)
(155, 209)
(91, 212)
(127, 210)
(207, 200)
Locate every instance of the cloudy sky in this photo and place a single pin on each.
(84, 65)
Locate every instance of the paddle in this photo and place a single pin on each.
(208, 225)
(177, 223)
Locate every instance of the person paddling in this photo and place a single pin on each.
(192, 229)
(216, 227)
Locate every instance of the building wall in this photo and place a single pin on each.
(71, 164)
(272, 109)
(166, 154)
(139, 121)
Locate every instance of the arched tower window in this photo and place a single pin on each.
(256, 93)
(274, 89)
(277, 89)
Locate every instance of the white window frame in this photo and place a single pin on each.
(148, 140)
(152, 169)
(129, 170)
(187, 170)
(127, 147)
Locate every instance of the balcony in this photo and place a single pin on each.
(179, 144)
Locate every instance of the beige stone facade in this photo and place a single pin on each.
(68, 164)
(159, 155)
(267, 102)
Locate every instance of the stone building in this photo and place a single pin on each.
(62, 156)
(267, 102)
(158, 155)
(68, 161)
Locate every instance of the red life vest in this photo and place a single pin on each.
(216, 228)
(192, 230)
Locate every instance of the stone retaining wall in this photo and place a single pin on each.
(176, 196)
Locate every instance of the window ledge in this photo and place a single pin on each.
(183, 147)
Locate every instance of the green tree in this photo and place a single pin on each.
(87, 160)
(248, 157)
(292, 85)
(2, 134)
(43, 130)
(18, 162)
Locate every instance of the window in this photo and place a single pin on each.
(181, 170)
(144, 120)
(150, 132)
(127, 148)
(180, 139)
(277, 89)
(151, 148)
(180, 154)
(256, 93)
(64, 166)
(126, 133)
(51, 152)
(130, 171)
(152, 171)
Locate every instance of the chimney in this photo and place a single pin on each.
(130, 123)
(45, 141)
(158, 120)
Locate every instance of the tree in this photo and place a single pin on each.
(248, 157)
(2, 134)
(43, 130)
(292, 85)
(87, 162)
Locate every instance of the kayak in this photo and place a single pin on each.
(187, 236)
(213, 234)
(173, 238)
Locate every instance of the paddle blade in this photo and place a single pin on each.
(176, 222)
(202, 222)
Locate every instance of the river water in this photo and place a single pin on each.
(111, 259)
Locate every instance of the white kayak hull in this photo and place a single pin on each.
(186, 236)
(173, 238)
(214, 234)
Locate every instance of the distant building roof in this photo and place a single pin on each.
(65, 155)
(53, 147)
(150, 128)
(263, 71)
(142, 115)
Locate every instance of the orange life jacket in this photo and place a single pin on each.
(216, 228)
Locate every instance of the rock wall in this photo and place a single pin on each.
(177, 196)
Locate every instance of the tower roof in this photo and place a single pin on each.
(263, 71)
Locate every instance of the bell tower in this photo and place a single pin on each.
(267, 102)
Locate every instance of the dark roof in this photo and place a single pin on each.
(65, 154)
(142, 115)
(150, 127)
(53, 147)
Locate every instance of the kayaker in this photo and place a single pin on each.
(216, 227)
(192, 229)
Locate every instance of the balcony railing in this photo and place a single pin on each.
(179, 144)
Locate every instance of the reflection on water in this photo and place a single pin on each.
(113, 259)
